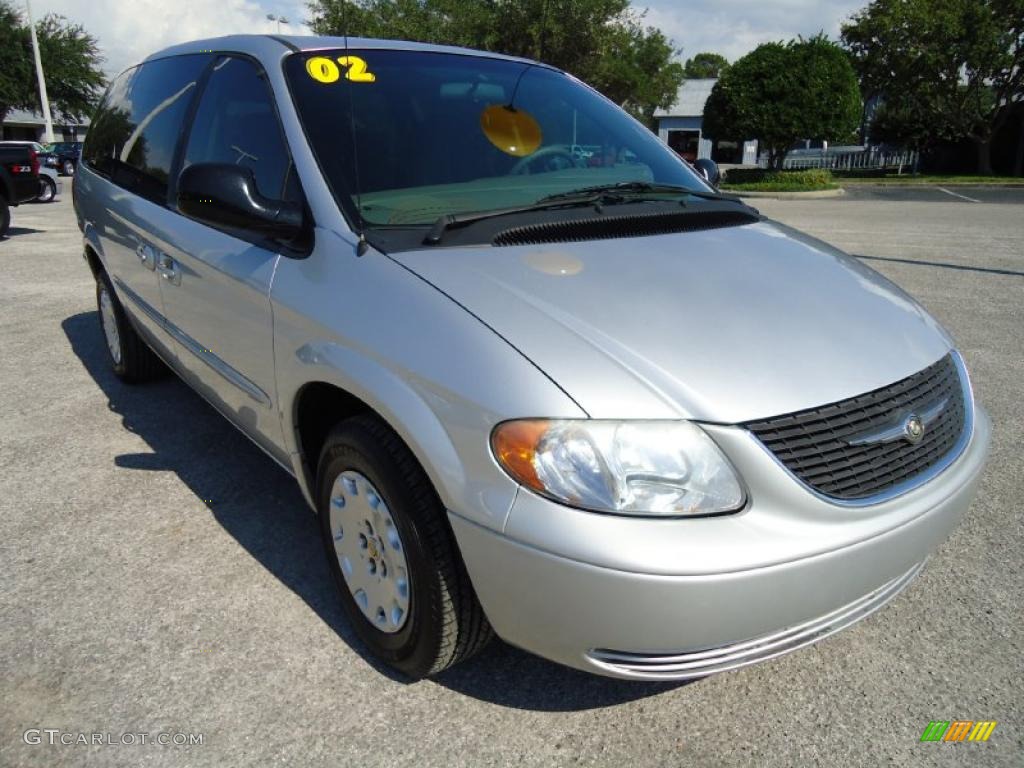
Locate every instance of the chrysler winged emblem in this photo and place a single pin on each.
(909, 426)
(913, 429)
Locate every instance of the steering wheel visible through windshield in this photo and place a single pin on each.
(404, 137)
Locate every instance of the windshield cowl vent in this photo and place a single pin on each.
(608, 227)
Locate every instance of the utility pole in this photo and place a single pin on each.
(48, 133)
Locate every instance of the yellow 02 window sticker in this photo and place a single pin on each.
(322, 69)
(356, 70)
(325, 70)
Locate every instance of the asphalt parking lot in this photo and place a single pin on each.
(158, 574)
(919, 193)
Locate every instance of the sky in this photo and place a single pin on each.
(129, 30)
(735, 27)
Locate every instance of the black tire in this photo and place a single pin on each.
(136, 363)
(445, 623)
(47, 190)
(5, 217)
(68, 168)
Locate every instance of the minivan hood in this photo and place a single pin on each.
(722, 325)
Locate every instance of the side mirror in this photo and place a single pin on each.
(709, 170)
(226, 195)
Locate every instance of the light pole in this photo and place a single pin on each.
(279, 19)
(48, 131)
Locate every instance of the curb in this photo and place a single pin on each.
(816, 194)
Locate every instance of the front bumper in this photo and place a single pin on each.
(678, 599)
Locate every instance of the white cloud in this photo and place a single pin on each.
(130, 30)
(735, 27)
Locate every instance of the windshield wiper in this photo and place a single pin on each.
(629, 187)
(576, 198)
(452, 220)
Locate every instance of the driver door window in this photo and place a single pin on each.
(236, 124)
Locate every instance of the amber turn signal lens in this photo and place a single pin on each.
(515, 446)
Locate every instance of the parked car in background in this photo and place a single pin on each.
(66, 154)
(19, 178)
(586, 403)
(50, 185)
(47, 159)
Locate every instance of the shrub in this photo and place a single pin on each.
(809, 179)
(745, 175)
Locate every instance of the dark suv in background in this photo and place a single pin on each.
(67, 153)
(19, 178)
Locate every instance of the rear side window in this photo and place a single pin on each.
(110, 127)
(236, 124)
(134, 135)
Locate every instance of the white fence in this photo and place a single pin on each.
(863, 160)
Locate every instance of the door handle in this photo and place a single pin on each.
(168, 269)
(146, 256)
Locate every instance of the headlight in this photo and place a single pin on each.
(654, 468)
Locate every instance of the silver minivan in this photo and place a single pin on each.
(535, 375)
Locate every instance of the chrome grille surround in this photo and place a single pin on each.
(947, 377)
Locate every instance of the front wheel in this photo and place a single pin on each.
(5, 217)
(392, 554)
(47, 190)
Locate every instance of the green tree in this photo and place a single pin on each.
(705, 64)
(603, 42)
(637, 71)
(945, 69)
(781, 92)
(71, 61)
(902, 125)
(14, 67)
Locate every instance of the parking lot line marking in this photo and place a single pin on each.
(955, 194)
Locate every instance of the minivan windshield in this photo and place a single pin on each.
(405, 137)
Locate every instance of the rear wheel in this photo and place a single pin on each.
(132, 359)
(47, 190)
(392, 553)
(5, 217)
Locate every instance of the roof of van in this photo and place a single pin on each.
(256, 44)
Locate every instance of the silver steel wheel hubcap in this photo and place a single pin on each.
(370, 551)
(110, 325)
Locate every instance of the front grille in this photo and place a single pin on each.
(815, 445)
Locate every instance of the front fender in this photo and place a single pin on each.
(434, 372)
(397, 401)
